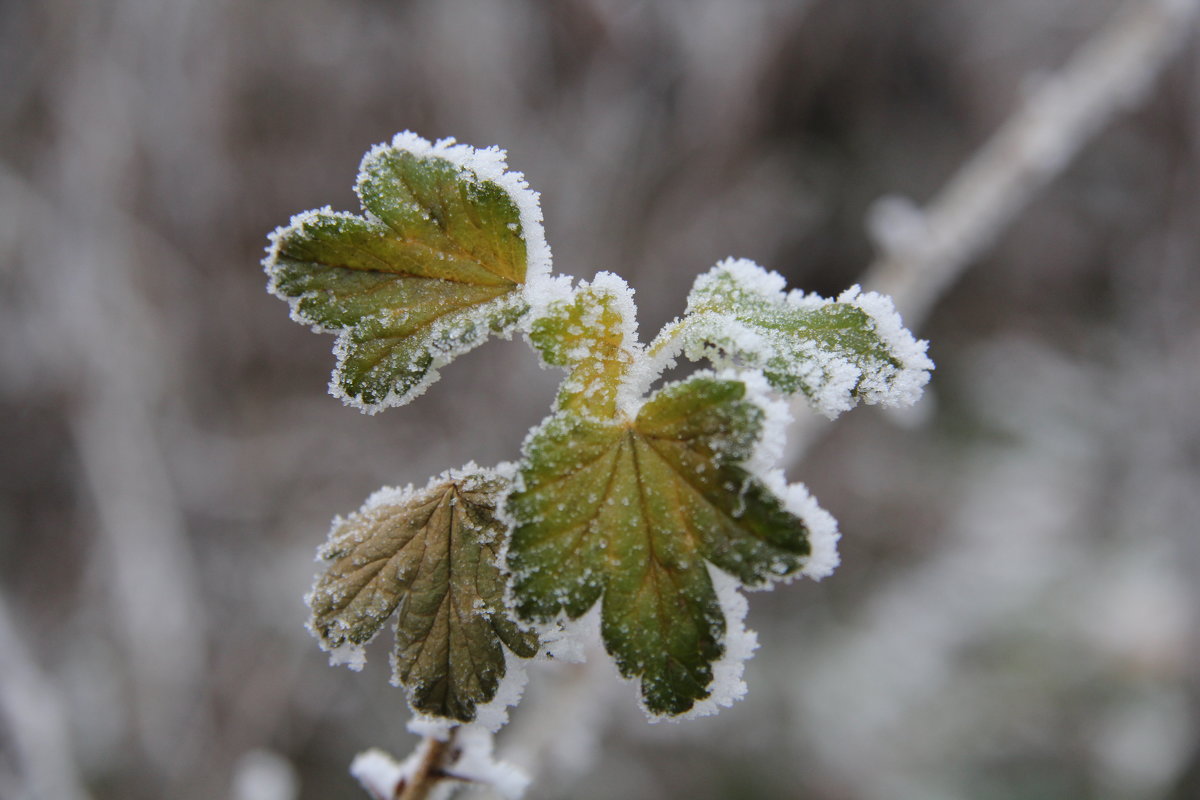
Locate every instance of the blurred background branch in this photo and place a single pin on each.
(922, 251)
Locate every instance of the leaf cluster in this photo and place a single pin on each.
(642, 502)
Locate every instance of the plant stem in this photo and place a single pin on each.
(429, 769)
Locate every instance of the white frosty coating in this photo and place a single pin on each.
(748, 275)
(612, 285)
(490, 716)
(487, 164)
(557, 297)
(275, 241)
(380, 774)
(822, 528)
(447, 339)
(469, 476)
(569, 640)
(476, 764)
(905, 388)
(434, 727)
(661, 355)
(727, 686)
(823, 532)
(719, 326)
(549, 295)
(470, 762)
(777, 416)
(352, 655)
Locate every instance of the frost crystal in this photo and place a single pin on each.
(837, 352)
(379, 773)
(470, 761)
(476, 764)
(740, 642)
(592, 332)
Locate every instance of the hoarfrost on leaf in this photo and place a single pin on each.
(634, 516)
(739, 644)
(592, 332)
(430, 557)
(446, 251)
(631, 511)
(490, 716)
(836, 352)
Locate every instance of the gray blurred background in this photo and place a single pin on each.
(1016, 614)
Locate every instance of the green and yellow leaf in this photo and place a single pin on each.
(436, 262)
(593, 334)
(430, 557)
(630, 511)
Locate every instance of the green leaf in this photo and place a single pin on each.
(632, 510)
(592, 333)
(436, 263)
(429, 555)
(835, 352)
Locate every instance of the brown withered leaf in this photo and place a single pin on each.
(429, 556)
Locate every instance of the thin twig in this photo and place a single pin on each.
(429, 769)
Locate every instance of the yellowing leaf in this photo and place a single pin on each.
(593, 334)
(430, 557)
(436, 263)
(630, 511)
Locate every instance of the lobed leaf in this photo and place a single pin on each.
(631, 510)
(436, 262)
(835, 352)
(430, 557)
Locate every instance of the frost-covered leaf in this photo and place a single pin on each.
(429, 555)
(631, 511)
(835, 352)
(592, 333)
(438, 260)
